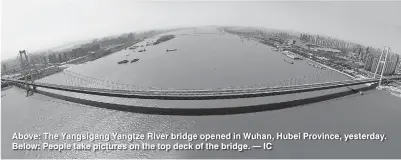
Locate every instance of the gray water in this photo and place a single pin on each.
(207, 61)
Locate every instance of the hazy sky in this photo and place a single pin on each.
(40, 24)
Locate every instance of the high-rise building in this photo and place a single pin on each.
(393, 62)
(398, 69)
(367, 51)
(375, 62)
(369, 62)
(3, 69)
(131, 37)
(360, 53)
(372, 61)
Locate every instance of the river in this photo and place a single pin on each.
(211, 60)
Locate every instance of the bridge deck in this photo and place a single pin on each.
(204, 94)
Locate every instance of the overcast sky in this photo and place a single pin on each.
(40, 24)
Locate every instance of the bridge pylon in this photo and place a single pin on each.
(25, 65)
(385, 51)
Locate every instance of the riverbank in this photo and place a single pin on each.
(261, 41)
(392, 90)
(350, 76)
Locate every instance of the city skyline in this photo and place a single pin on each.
(40, 25)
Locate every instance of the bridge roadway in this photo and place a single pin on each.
(204, 94)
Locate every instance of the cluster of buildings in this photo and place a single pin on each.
(367, 60)
(326, 41)
(316, 49)
(361, 63)
(398, 69)
(85, 49)
(371, 61)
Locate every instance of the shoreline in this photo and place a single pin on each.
(385, 88)
(352, 77)
(389, 89)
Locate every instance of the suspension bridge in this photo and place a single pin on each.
(79, 83)
(75, 82)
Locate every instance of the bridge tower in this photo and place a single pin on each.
(385, 51)
(25, 65)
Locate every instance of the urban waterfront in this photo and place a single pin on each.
(206, 58)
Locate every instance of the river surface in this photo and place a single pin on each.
(206, 58)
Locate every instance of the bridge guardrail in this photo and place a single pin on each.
(203, 94)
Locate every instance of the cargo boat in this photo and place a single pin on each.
(134, 60)
(124, 61)
(170, 50)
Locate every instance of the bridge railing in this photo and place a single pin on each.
(203, 94)
(291, 87)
